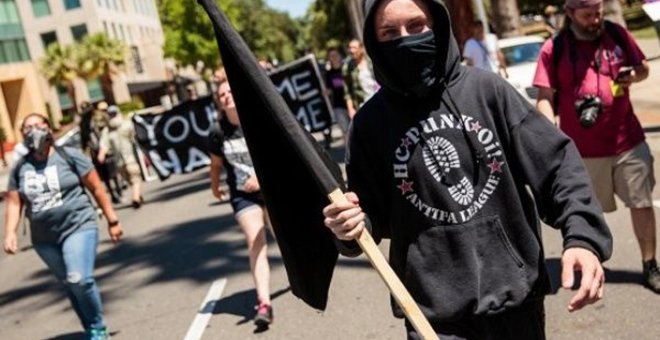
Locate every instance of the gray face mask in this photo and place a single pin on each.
(38, 140)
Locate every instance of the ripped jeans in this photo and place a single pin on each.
(72, 262)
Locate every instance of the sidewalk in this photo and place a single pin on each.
(645, 96)
(4, 174)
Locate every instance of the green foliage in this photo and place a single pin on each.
(134, 105)
(66, 119)
(98, 54)
(188, 32)
(59, 65)
(189, 35)
(326, 25)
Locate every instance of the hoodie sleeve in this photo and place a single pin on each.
(363, 180)
(552, 167)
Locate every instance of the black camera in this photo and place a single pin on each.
(588, 108)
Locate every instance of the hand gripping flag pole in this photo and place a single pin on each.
(297, 178)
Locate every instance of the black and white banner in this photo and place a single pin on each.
(176, 141)
(303, 89)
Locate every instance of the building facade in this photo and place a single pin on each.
(27, 27)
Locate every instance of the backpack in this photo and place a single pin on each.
(60, 151)
(559, 40)
(67, 158)
(558, 44)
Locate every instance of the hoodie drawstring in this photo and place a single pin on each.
(477, 156)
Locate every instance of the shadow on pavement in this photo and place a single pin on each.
(201, 175)
(187, 251)
(180, 191)
(69, 336)
(75, 336)
(242, 304)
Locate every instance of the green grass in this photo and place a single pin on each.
(647, 32)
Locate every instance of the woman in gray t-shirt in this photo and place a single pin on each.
(50, 182)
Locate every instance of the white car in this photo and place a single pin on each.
(521, 54)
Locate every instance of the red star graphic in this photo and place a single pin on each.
(405, 186)
(475, 127)
(405, 142)
(495, 166)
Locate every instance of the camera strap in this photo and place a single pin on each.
(597, 62)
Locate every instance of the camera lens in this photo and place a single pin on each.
(588, 109)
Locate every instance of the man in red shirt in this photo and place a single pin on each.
(586, 86)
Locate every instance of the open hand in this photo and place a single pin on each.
(593, 277)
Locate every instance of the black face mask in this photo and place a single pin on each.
(412, 60)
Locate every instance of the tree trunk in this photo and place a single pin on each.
(71, 91)
(356, 15)
(106, 86)
(506, 18)
(462, 16)
(614, 12)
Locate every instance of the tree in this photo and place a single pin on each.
(60, 68)
(189, 35)
(188, 32)
(99, 57)
(506, 18)
(462, 16)
(326, 25)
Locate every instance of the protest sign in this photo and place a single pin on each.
(176, 141)
(303, 90)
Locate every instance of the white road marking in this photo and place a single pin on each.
(656, 203)
(205, 312)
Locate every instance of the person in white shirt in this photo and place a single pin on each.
(482, 51)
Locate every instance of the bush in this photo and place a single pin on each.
(134, 105)
(67, 118)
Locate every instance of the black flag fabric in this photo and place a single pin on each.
(294, 172)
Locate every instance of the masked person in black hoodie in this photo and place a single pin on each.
(441, 159)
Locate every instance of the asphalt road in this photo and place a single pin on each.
(182, 242)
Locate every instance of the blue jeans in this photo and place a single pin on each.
(72, 262)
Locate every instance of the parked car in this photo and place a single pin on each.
(521, 54)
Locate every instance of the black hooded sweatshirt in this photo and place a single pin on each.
(446, 178)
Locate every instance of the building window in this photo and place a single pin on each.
(95, 91)
(79, 32)
(64, 98)
(129, 33)
(48, 38)
(12, 43)
(71, 4)
(137, 62)
(12, 51)
(40, 8)
(8, 12)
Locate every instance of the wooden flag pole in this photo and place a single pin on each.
(398, 290)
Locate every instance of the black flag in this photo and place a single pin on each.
(294, 173)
